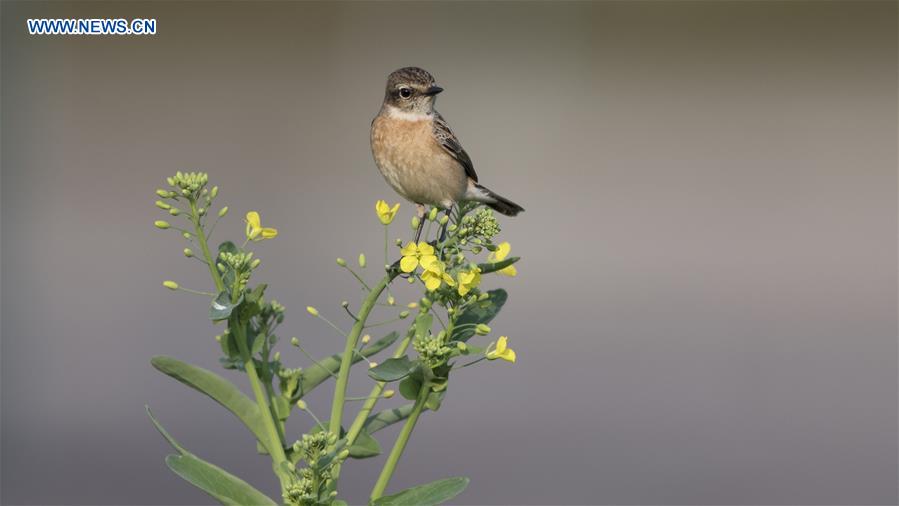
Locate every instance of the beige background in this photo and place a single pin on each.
(706, 311)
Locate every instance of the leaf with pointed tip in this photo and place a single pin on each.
(497, 266)
(318, 373)
(387, 417)
(479, 312)
(215, 481)
(217, 388)
(429, 494)
(222, 307)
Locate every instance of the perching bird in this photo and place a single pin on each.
(419, 155)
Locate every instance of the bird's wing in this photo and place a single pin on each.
(447, 139)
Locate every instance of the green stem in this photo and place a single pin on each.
(347, 360)
(370, 402)
(204, 247)
(400, 445)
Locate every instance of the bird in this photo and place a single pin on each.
(419, 155)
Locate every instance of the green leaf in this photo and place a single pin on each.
(215, 481)
(423, 324)
(222, 306)
(318, 373)
(365, 446)
(219, 389)
(410, 386)
(258, 342)
(497, 266)
(434, 400)
(386, 418)
(429, 494)
(228, 247)
(479, 312)
(393, 369)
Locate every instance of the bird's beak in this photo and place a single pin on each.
(433, 90)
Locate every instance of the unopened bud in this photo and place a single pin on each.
(450, 310)
(425, 302)
(482, 330)
(174, 211)
(404, 314)
(171, 285)
(186, 235)
(301, 404)
(362, 260)
(295, 341)
(188, 252)
(311, 310)
(461, 346)
(161, 224)
(389, 393)
(345, 304)
(433, 214)
(411, 280)
(170, 181)
(398, 242)
(366, 338)
(218, 338)
(214, 192)
(444, 219)
(162, 205)
(415, 222)
(341, 262)
(452, 228)
(412, 305)
(255, 263)
(476, 250)
(277, 356)
(484, 296)
(223, 211)
(372, 365)
(344, 454)
(390, 300)
(163, 193)
(201, 211)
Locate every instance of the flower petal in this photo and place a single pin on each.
(269, 233)
(502, 251)
(409, 249)
(510, 271)
(408, 263)
(508, 355)
(425, 248)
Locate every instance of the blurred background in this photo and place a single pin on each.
(706, 308)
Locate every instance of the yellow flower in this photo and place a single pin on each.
(469, 280)
(255, 230)
(385, 212)
(502, 251)
(414, 255)
(502, 351)
(433, 273)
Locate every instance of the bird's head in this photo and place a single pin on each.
(411, 90)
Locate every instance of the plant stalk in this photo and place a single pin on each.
(400, 444)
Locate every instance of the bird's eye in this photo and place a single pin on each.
(405, 92)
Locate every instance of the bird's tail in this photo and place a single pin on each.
(497, 202)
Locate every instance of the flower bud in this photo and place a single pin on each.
(332, 439)
(186, 235)
(170, 181)
(372, 365)
(220, 266)
(255, 263)
(163, 193)
(390, 300)
(345, 304)
(444, 219)
(476, 250)
(161, 224)
(162, 205)
(218, 338)
(484, 296)
(171, 285)
(404, 314)
(362, 260)
(341, 262)
(344, 454)
(450, 310)
(201, 211)
(425, 302)
(415, 222)
(223, 211)
(301, 404)
(174, 211)
(188, 252)
(277, 356)
(412, 305)
(461, 346)
(481, 329)
(366, 338)
(295, 341)
(398, 242)
(452, 228)
(311, 310)
(433, 214)
(214, 193)
(389, 393)
(411, 280)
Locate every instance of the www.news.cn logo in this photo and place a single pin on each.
(136, 26)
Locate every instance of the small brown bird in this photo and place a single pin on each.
(419, 155)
